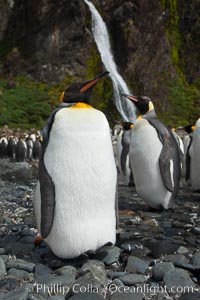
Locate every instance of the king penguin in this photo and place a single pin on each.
(154, 157)
(194, 150)
(75, 199)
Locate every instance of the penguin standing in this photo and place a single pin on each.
(123, 156)
(75, 197)
(194, 153)
(154, 156)
(36, 148)
(21, 150)
(11, 147)
(3, 146)
(29, 144)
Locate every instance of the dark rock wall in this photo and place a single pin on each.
(154, 42)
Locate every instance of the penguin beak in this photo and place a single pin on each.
(132, 98)
(92, 82)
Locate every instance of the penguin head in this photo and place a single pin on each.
(125, 125)
(189, 128)
(143, 103)
(81, 91)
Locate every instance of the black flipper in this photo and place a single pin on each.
(170, 151)
(47, 188)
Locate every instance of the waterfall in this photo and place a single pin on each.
(100, 33)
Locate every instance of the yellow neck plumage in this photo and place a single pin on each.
(80, 105)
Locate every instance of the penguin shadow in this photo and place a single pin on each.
(43, 254)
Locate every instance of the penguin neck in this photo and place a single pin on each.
(80, 105)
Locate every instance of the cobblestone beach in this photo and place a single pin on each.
(157, 254)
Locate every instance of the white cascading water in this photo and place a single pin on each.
(100, 33)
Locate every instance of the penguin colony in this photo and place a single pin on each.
(75, 199)
(19, 146)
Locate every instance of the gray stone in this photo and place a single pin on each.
(56, 298)
(114, 275)
(176, 258)
(2, 251)
(71, 270)
(49, 285)
(97, 269)
(127, 295)
(8, 284)
(196, 230)
(87, 296)
(196, 259)
(2, 267)
(112, 254)
(136, 265)
(189, 267)
(182, 250)
(41, 270)
(161, 247)
(88, 282)
(176, 279)
(132, 279)
(18, 294)
(21, 274)
(160, 269)
(30, 239)
(190, 296)
(21, 265)
(35, 297)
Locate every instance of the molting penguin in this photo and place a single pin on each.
(75, 198)
(154, 156)
(194, 151)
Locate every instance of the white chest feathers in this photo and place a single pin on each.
(145, 151)
(80, 160)
(195, 159)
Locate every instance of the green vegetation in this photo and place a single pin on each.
(28, 103)
(184, 104)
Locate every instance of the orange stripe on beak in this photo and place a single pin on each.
(88, 85)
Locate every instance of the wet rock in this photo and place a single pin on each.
(19, 248)
(21, 265)
(8, 284)
(150, 222)
(196, 230)
(127, 295)
(176, 258)
(56, 298)
(110, 254)
(50, 285)
(176, 279)
(21, 274)
(2, 267)
(128, 247)
(190, 296)
(114, 275)
(189, 267)
(182, 250)
(27, 239)
(132, 279)
(35, 297)
(87, 296)
(71, 270)
(160, 269)
(97, 269)
(41, 270)
(2, 251)
(160, 247)
(87, 283)
(136, 265)
(196, 259)
(20, 293)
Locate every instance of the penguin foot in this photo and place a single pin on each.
(38, 241)
(126, 212)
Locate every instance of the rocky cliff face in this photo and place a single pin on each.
(152, 42)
